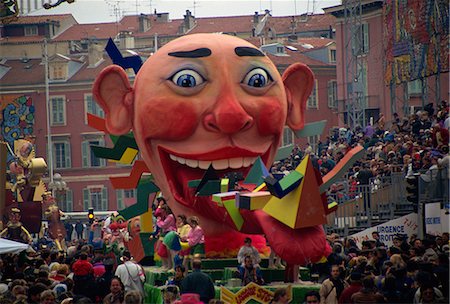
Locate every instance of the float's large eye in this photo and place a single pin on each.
(187, 79)
(257, 78)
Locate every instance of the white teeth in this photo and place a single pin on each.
(235, 163)
(204, 164)
(221, 164)
(248, 161)
(192, 163)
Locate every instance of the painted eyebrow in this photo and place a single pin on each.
(197, 53)
(248, 51)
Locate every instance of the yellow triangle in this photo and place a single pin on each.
(285, 210)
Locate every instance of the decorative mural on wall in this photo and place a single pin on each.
(16, 118)
(416, 35)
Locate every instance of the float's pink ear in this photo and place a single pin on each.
(298, 81)
(114, 94)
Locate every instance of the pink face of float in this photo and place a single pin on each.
(204, 100)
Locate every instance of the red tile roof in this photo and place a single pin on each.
(169, 28)
(313, 23)
(88, 30)
(316, 43)
(238, 24)
(296, 57)
(40, 19)
(30, 73)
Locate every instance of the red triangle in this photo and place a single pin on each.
(310, 210)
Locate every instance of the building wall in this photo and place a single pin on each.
(31, 50)
(379, 95)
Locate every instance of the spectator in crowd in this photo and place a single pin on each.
(248, 250)
(249, 272)
(332, 288)
(312, 297)
(368, 293)
(131, 274)
(116, 296)
(198, 282)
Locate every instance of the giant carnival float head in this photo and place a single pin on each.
(205, 108)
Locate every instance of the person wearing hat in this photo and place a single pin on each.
(130, 273)
(14, 230)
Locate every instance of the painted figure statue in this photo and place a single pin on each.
(213, 101)
(14, 230)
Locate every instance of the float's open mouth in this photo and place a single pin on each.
(181, 168)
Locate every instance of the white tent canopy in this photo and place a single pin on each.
(7, 246)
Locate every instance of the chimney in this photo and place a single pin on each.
(162, 17)
(95, 53)
(126, 40)
(189, 21)
(255, 18)
(144, 23)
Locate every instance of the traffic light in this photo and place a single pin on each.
(412, 189)
(91, 215)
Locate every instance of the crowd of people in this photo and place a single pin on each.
(410, 271)
(418, 143)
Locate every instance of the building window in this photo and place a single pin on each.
(61, 152)
(95, 197)
(58, 72)
(89, 159)
(280, 50)
(58, 110)
(415, 87)
(362, 81)
(332, 55)
(123, 196)
(92, 107)
(360, 42)
(65, 200)
(313, 100)
(332, 94)
(314, 142)
(31, 30)
(288, 137)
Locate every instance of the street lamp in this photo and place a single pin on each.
(47, 106)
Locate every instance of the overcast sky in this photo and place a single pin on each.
(92, 11)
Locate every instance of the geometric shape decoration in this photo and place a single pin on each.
(233, 212)
(332, 207)
(262, 187)
(144, 189)
(253, 200)
(311, 129)
(288, 183)
(123, 143)
(96, 122)
(210, 175)
(224, 184)
(302, 207)
(251, 293)
(211, 187)
(127, 157)
(134, 62)
(283, 152)
(194, 183)
(219, 198)
(257, 173)
(146, 220)
(131, 181)
(342, 167)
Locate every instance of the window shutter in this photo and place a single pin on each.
(101, 141)
(69, 200)
(119, 195)
(366, 37)
(104, 199)
(67, 154)
(330, 94)
(85, 153)
(86, 199)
